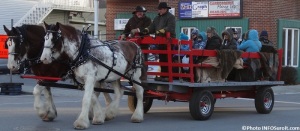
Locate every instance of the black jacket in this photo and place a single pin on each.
(135, 22)
(213, 43)
(165, 21)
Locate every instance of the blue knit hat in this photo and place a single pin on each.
(263, 33)
(183, 37)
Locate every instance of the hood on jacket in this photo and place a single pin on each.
(212, 30)
(229, 32)
(183, 37)
(253, 35)
(203, 35)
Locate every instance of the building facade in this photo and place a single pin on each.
(281, 18)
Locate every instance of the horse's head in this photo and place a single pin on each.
(15, 44)
(56, 36)
(53, 40)
(24, 43)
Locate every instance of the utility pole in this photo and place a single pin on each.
(96, 9)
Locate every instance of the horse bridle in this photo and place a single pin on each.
(11, 37)
(59, 36)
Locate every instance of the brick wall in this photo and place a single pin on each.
(263, 14)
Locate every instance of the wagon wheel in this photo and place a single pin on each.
(132, 101)
(201, 105)
(264, 100)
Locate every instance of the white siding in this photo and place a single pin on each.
(13, 9)
(57, 16)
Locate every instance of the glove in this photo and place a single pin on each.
(161, 31)
(123, 37)
(133, 31)
(145, 31)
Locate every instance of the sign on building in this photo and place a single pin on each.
(210, 9)
(119, 24)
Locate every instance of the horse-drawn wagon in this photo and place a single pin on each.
(201, 96)
(88, 65)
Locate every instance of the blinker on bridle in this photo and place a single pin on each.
(10, 38)
(51, 31)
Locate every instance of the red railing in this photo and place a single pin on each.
(192, 52)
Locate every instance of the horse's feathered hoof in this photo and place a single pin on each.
(97, 122)
(49, 116)
(109, 118)
(81, 125)
(136, 121)
(136, 118)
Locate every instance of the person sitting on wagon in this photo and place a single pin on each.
(199, 39)
(182, 58)
(252, 44)
(213, 42)
(264, 38)
(267, 45)
(136, 23)
(213, 39)
(228, 40)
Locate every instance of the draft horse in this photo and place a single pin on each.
(89, 56)
(25, 45)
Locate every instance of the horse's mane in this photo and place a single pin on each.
(34, 37)
(69, 32)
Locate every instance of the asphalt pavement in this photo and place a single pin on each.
(28, 88)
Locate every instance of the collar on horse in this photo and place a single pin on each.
(84, 55)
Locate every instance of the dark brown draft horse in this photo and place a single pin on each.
(87, 53)
(25, 45)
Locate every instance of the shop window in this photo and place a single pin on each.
(187, 31)
(290, 47)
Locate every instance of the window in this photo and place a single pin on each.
(290, 47)
(187, 31)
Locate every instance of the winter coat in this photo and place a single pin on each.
(265, 41)
(135, 22)
(252, 44)
(197, 44)
(213, 43)
(165, 21)
(229, 43)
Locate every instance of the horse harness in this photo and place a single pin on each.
(84, 55)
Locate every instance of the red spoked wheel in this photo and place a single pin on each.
(201, 105)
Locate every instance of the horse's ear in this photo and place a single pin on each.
(5, 29)
(45, 25)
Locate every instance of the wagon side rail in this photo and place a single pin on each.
(171, 42)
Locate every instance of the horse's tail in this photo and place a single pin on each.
(144, 67)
